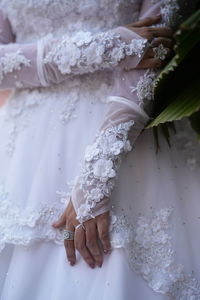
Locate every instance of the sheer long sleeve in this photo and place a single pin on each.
(128, 110)
(52, 61)
(123, 121)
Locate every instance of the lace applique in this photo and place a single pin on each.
(86, 52)
(67, 16)
(12, 61)
(20, 226)
(149, 249)
(24, 106)
(145, 87)
(170, 12)
(148, 243)
(17, 117)
(102, 161)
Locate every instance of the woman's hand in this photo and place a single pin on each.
(157, 36)
(91, 241)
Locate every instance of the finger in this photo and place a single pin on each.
(80, 245)
(160, 32)
(103, 231)
(69, 246)
(70, 252)
(150, 63)
(147, 21)
(167, 42)
(91, 242)
(152, 32)
(61, 221)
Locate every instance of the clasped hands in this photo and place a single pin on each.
(158, 36)
(93, 241)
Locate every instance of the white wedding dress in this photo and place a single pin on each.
(57, 105)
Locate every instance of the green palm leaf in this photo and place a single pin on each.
(177, 88)
(184, 105)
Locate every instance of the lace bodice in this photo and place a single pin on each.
(30, 22)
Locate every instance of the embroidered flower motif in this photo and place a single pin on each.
(170, 12)
(12, 61)
(145, 87)
(117, 147)
(82, 38)
(160, 52)
(85, 210)
(91, 151)
(93, 55)
(96, 194)
(88, 53)
(102, 161)
(103, 169)
(25, 226)
(137, 47)
(149, 248)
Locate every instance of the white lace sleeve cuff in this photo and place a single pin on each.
(87, 52)
(102, 160)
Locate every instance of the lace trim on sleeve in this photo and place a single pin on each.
(12, 61)
(170, 12)
(101, 163)
(86, 52)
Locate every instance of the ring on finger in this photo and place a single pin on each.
(68, 235)
(80, 225)
(160, 52)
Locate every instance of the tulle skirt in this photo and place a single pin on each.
(42, 272)
(156, 223)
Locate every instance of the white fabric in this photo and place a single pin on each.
(114, 280)
(51, 61)
(44, 133)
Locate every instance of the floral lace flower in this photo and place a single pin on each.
(91, 151)
(86, 53)
(102, 161)
(103, 169)
(145, 87)
(12, 61)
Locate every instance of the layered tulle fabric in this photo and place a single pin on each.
(52, 277)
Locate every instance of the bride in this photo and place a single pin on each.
(82, 75)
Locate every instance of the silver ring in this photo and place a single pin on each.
(68, 235)
(160, 52)
(80, 225)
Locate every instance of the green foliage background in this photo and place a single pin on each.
(177, 88)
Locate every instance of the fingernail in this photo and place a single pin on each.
(71, 263)
(107, 251)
